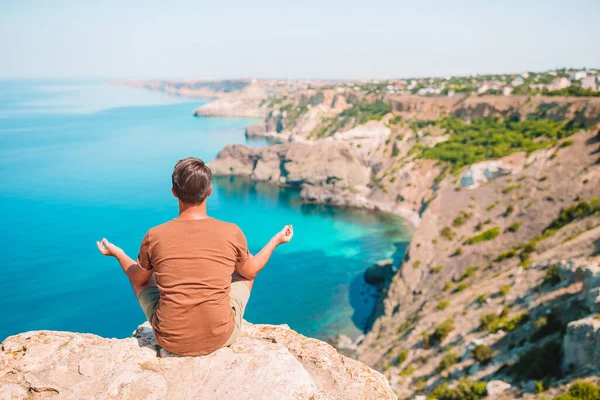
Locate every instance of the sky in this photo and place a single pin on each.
(349, 39)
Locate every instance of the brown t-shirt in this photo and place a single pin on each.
(193, 261)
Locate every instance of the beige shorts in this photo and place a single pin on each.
(238, 298)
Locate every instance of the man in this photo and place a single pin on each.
(194, 274)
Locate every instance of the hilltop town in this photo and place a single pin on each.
(559, 82)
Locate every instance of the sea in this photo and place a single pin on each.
(84, 160)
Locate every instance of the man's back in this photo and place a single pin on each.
(193, 261)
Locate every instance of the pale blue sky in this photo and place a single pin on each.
(293, 39)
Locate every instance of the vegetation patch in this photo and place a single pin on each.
(581, 390)
(436, 269)
(462, 218)
(494, 323)
(509, 210)
(514, 227)
(439, 334)
(489, 234)
(482, 298)
(442, 305)
(491, 206)
(552, 277)
(447, 233)
(465, 390)
(449, 359)
(482, 353)
(492, 138)
(468, 272)
(581, 210)
(504, 290)
(461, 287)
(506, 255)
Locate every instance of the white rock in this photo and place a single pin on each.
(266, 362)
(496, 388)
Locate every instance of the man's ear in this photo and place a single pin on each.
(173, 191)
(209, 191)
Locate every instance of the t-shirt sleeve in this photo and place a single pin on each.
(144, 255)
(241, 246)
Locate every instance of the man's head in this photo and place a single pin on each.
(191, 180)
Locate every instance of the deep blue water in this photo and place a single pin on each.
(84, 160)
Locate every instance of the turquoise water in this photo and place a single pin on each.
(84, 160)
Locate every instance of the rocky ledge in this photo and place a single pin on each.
(266, 362)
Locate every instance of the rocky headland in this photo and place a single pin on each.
(498, 292)
(266, 362)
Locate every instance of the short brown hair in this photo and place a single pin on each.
(191, 180)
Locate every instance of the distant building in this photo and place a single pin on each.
(518, 81)
(589, 83)
(483, 88)
(559, 83)
(507, 90)
(451, 92)
(577, 75)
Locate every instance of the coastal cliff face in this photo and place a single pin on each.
(266, 362)
(499, 290)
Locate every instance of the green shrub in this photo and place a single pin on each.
(447, 233)
(439, 334)
(510, 188)
(482, 353)
(408, 370)
(461, 287)
(436, 269)
(489, 234)
(416, 263)
(581, 390)
(402, 357)
(505, 289)
(514, 227)
(509, 325)
(538, 363)
(449, 359)
(442, 305)
(462, 218)
(552, 276)
(465, 390)
(570, 214)
(509, 210)
(457, 252)
(494, 323)
(491, 206)
(482, 298)
(486, 320)
(447, 286)
(506, 255)
(566, 143)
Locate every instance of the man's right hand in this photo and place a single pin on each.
(108, 249)
(285, 235)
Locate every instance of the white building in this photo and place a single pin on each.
(507, 90)
(518, 81)
(589, 82)
(559, 83)
(577, 75)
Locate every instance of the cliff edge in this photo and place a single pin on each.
(266, 362)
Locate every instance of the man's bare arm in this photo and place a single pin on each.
(136, 274)
(252, 266)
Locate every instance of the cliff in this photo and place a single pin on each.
(266, 362)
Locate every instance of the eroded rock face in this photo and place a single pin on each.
(266, 362)
(581, 345)
(322, 164)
